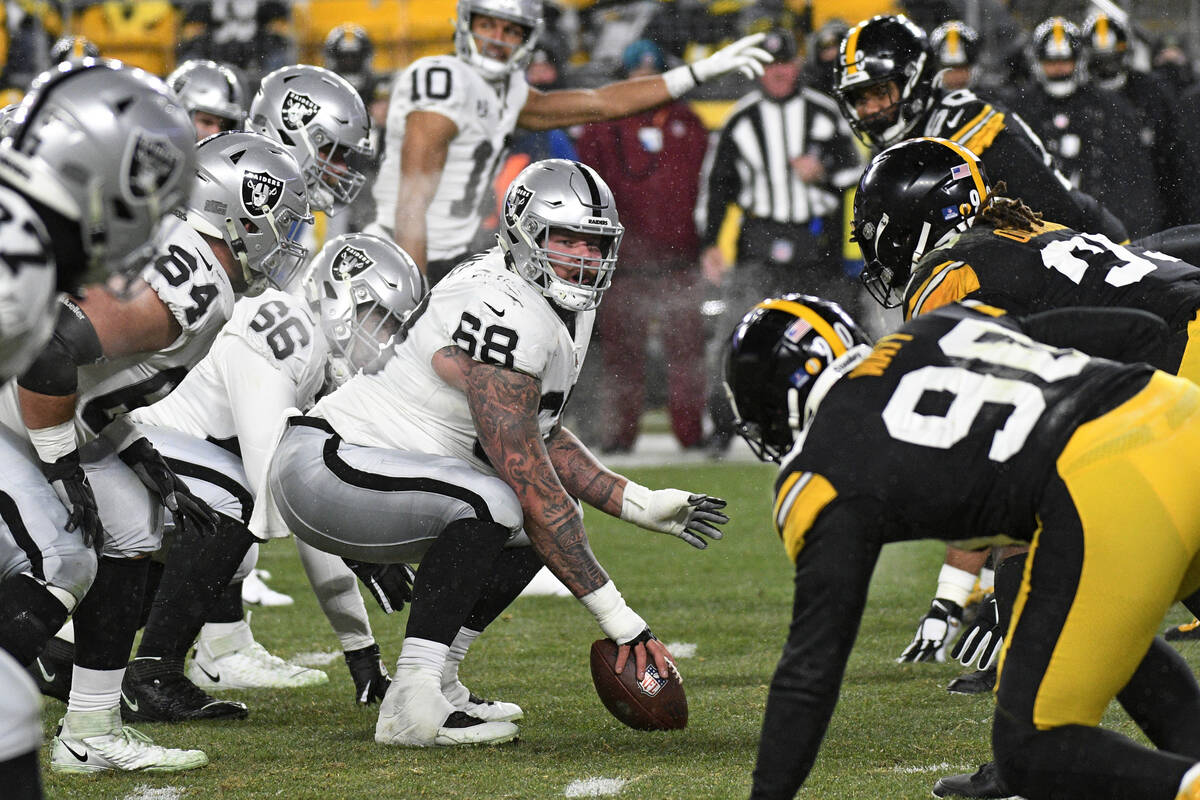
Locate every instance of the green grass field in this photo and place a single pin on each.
(895, 731)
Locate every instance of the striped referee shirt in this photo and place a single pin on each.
(751, 162)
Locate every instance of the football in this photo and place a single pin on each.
(655, 703)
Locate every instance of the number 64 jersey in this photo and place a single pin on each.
(495, 316)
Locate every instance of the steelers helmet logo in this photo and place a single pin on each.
(261, 193)
(298, 110)
(868, 231)
(150, 161)
(351, 261)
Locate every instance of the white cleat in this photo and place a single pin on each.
(256, 592)
(414, 713)
(470, 703)
(96, 741)
(236, 661)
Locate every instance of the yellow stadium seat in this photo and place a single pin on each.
(141, 33)
(402, 30)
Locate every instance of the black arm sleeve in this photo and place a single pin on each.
(833, 573)
(1182, 242)
(1121, 334)
(73, 344)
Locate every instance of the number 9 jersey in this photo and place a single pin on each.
(495, 316)
(485, 115)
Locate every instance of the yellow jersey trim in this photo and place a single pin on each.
(801, 498)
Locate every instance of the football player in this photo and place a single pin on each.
(114, 351)
(276, 353)
(95, 156)
(886, 89)
(450, 117)
(212, 95)
(962, 425)
(454, 455)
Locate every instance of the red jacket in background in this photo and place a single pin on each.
(651, 161)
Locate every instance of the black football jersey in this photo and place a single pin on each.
(952, 424)
(1054, 267)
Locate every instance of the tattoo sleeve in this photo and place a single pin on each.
(582, 475)
(504, 406)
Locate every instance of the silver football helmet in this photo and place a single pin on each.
(250, 194)
(564, 195)
(364, 286)
(108, 146)
(212, 88)
(526, 13)
(322, 121)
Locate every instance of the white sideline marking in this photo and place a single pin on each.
(147, 792)
(682, 649)
(313, 659)
(945, 766)
(595, 787)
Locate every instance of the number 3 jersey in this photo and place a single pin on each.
(495, 316)
(485, 115)
(949, 427)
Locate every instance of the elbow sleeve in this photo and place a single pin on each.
(74, 344)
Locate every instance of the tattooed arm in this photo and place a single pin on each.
(582, 475)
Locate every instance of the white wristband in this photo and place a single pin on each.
(634, 502)
(680, 81)
(618, 621)
(54, 442)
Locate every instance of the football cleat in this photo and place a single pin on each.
(52, 669)
(414, 713)
(156, 690)
(96, 741)
(1189, 631)
(371, 679)
(256, 592)
(236, 661)
(985, 783)
(468, 702)
(980, 681)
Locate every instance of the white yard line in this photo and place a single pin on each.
(147, 792)
(944, 767)
(682, 649)
(595, 787)
(314, 659)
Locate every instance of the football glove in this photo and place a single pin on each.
(71, 485)
(688, 516)
(742, 55)
(188, 509)
(936, 628)
(390, 584)
(983, 639)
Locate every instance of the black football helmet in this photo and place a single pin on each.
(772, 362)
(955, 44)
(1056, 39)
(348, 50)
(1106, 43)
(881, 49)
(911, 199)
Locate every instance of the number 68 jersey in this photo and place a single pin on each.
(495, 316)
(952, 425)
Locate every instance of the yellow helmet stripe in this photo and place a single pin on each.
(953, 46)
(967, 156)
(1059, 33)
(1102, 30)
(852, 48)
(823, 328)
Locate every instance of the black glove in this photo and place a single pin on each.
(983, 638)
(72, 487)
(189, 510)
(391, 584)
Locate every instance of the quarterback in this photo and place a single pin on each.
(454, 455)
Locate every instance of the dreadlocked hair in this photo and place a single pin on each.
(1009, 212)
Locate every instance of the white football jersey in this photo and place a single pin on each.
(27, 284)
(494, 315)
(269, 357)
(486, 115)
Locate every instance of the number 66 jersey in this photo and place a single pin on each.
(495, 316)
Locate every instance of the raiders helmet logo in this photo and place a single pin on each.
(150, 162)
(298, 110)
(261, 192)
(518, 199)
(351, 261)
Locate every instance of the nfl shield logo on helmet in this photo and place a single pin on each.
(150, 161)
(351, 261)
(651, 684)
(298, 110)
(261, 192)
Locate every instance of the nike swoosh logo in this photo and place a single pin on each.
(49, 676)
(78, 757)
(133, 706)
(495, 310)
(214, 678)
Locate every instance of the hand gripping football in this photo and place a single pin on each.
(655, 703)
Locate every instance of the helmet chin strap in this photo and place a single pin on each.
(239, 250)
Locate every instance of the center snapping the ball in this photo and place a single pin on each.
(655, 703)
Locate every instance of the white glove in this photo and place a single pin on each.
(688, 516)
(742, 55)
(936, 628)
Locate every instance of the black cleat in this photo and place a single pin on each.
(1189, 631)
(156, 690)
(371, 679)
(985, 783)
(980, 681)
(52, 669)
